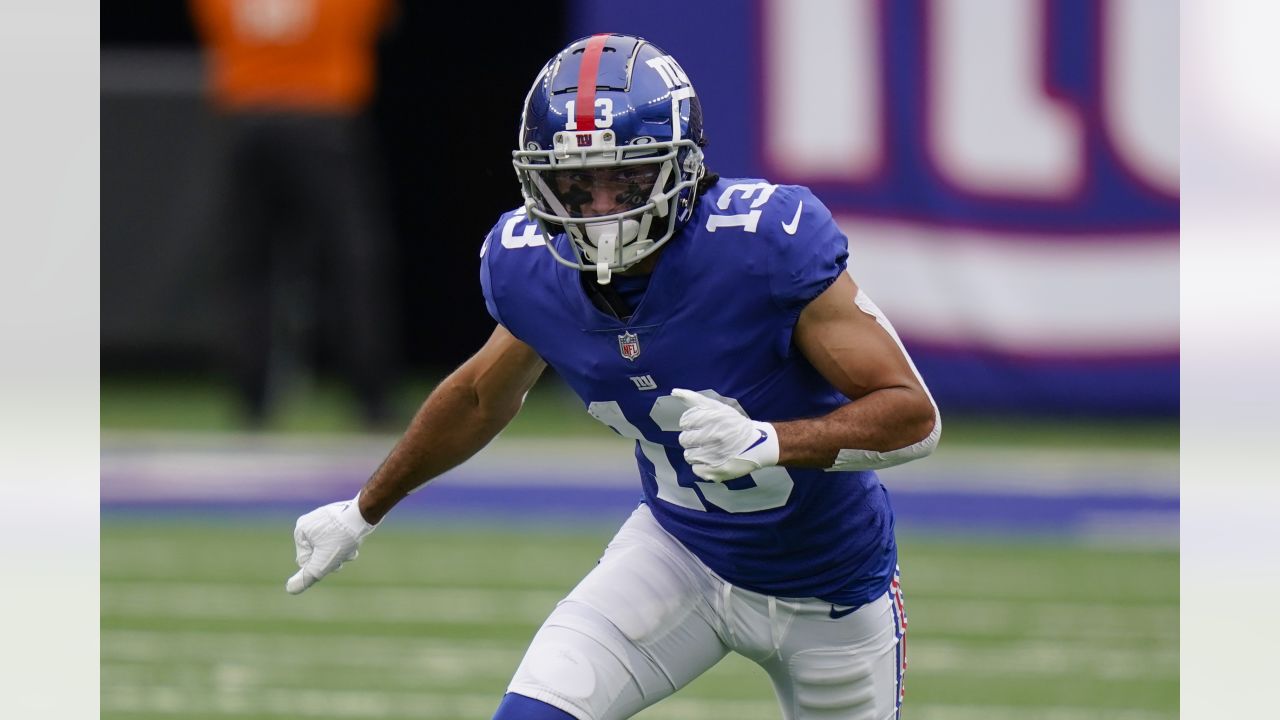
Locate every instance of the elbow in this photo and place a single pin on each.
(919, 437)
(875, 460)
(470, 405)
(493, 411)
(497, 409)
(919, 426)
(919, 443)
(927, 428)
(499, 415)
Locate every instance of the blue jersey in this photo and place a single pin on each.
(717, 317)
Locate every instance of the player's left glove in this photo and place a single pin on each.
(720, 442)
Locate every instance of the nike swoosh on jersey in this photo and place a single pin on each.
(837, 614)
(763, 436)
(791, 227)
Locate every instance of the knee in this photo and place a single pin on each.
(518, 707)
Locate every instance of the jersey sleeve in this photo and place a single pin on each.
(486, 275)
(810, 252)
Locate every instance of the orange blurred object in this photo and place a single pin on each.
(291, 54)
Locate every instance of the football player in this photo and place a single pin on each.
(713, 321)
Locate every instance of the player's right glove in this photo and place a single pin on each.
(720, 442)
(326, 538)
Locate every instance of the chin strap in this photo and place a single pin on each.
(605, 248)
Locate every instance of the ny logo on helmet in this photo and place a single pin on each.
(629, 345)
(670, 71)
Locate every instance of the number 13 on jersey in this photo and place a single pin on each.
(771, 488)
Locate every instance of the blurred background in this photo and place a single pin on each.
(294, 193)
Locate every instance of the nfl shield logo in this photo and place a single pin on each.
(629, 345)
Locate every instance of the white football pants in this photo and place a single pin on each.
(651, 617)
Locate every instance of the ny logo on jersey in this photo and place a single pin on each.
(644, 382)
(629, 345)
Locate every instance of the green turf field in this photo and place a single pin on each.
(431, 623)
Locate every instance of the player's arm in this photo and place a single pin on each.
(891, 418)
(461, 416)
(457, 419)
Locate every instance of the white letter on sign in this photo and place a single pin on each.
(993, 128)
(1140, 101)
(823, 107)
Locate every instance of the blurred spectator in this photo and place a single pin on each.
(300, 210)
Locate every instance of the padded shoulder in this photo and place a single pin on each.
(513, 244)
(804, 250)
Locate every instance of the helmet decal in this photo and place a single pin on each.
(586, 115)
(670, 71)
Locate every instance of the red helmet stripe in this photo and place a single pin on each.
(585, 110)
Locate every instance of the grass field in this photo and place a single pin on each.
(431, 623)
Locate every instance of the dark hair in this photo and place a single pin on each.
(709, 177)
(705, 182)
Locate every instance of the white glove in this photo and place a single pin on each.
(720, 442)
(326, 538)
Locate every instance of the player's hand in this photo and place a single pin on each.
(326, 538)
(720, 442)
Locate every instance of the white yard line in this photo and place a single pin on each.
(1051, 619)
(307, 650)
(172, 700)
(382, 605)
(988, 712)
(462, 605)
(176, 701)
(1024, 657)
